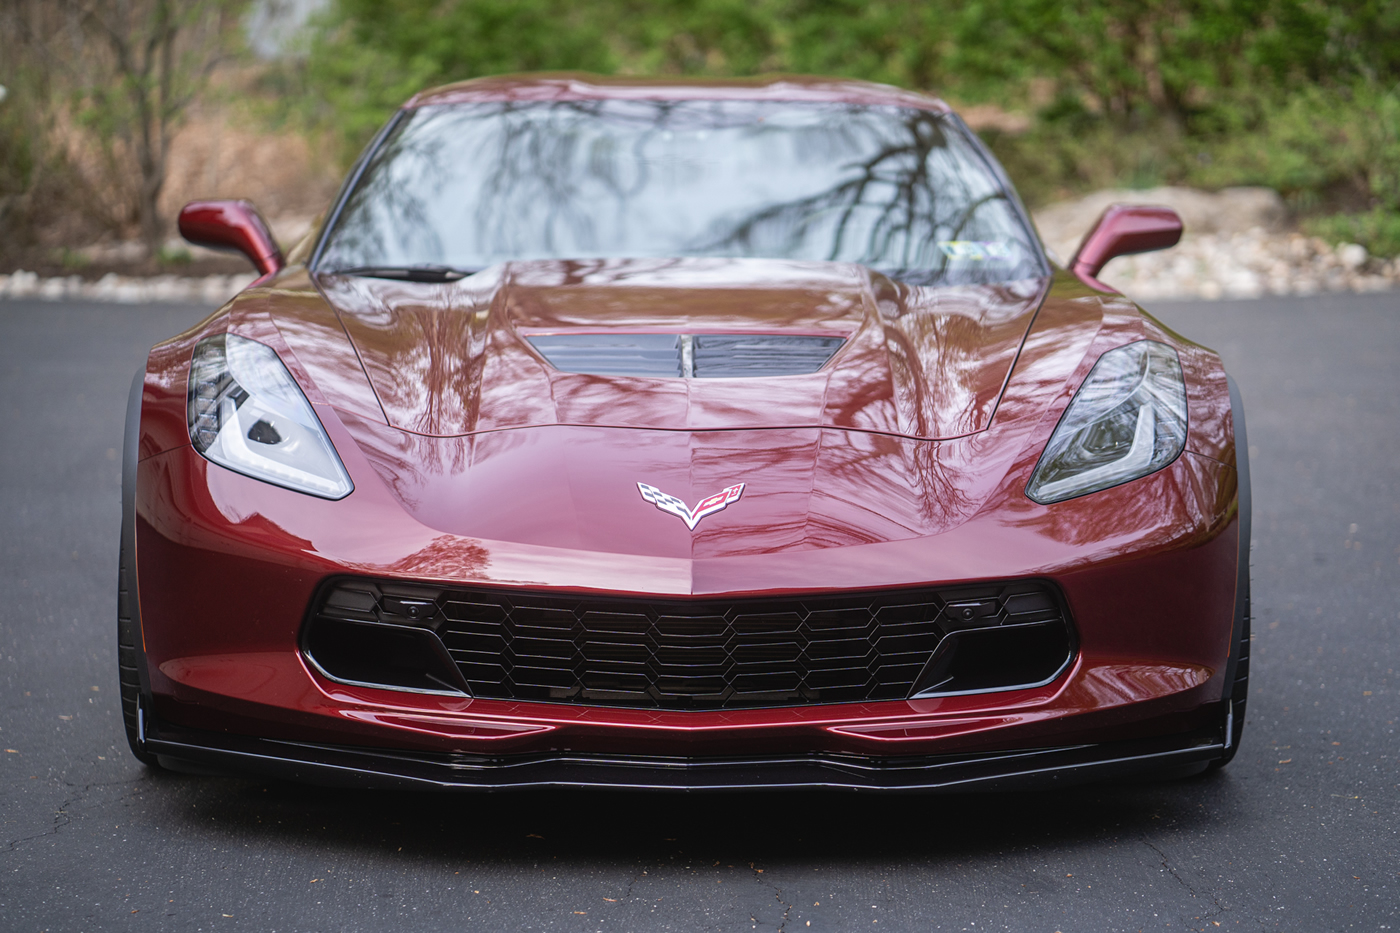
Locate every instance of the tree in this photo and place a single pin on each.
(141, 64)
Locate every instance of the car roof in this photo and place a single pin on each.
(544, 86)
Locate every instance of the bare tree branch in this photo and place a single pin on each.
(139, 67)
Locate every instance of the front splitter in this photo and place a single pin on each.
(351, 766)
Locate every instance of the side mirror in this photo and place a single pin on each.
(1122, 230)
(232, 225)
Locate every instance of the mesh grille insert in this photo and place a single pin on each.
(720, 654)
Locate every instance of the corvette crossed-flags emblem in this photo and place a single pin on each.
(676, 507)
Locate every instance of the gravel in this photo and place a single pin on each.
(1237, 245)
(1250, 265)
(126, 289)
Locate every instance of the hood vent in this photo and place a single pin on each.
(689, 356)
(612, 354)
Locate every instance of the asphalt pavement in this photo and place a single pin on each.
(1299, 833)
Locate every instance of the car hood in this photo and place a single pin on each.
(580, 488)
(456, 358)
(913, 427)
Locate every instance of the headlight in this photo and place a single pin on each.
(248, 414)
(1128, 419)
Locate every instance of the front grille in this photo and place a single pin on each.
(723, 653)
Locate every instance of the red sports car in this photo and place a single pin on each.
(682, 434)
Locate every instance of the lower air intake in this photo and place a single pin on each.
(719, 654)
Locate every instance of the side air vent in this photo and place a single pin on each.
(688, 356)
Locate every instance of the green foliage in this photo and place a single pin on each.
(71, 260)
(1057, 159)
(481, 37)
(708, 37)
(17, 150)
(173, 256)
(37, 179)
(1290, 93)
(1136, 61)
(1377, 230)
(1323, 148)
(892, 41)
(1315, 145)
(1300, 95)
(371, 56)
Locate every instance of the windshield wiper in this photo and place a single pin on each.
(420, 273)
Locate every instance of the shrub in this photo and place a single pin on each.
(1377, 230)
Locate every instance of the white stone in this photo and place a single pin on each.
(128, 291)
(1352, 255)
(23, 284)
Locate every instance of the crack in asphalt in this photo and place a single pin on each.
(1166, 864)
(627, 893)
(61, 815)
(777, 895)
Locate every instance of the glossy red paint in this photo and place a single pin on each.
(232, 225)
(452, 359)
(826, 509)
(901, 463)
(1122, 230)
(1152, 648)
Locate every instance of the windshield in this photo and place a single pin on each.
(468, 185)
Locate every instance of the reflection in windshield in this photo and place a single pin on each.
(899, 190)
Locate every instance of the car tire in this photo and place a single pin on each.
(131, 659)
(1238, 698)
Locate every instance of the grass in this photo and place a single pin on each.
(1378, 230)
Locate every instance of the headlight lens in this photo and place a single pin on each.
(248, 414)
(1128, 419)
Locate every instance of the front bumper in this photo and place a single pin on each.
(229, 565)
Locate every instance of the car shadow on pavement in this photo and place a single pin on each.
(634, 827)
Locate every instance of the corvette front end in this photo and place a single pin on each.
(692, 523)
